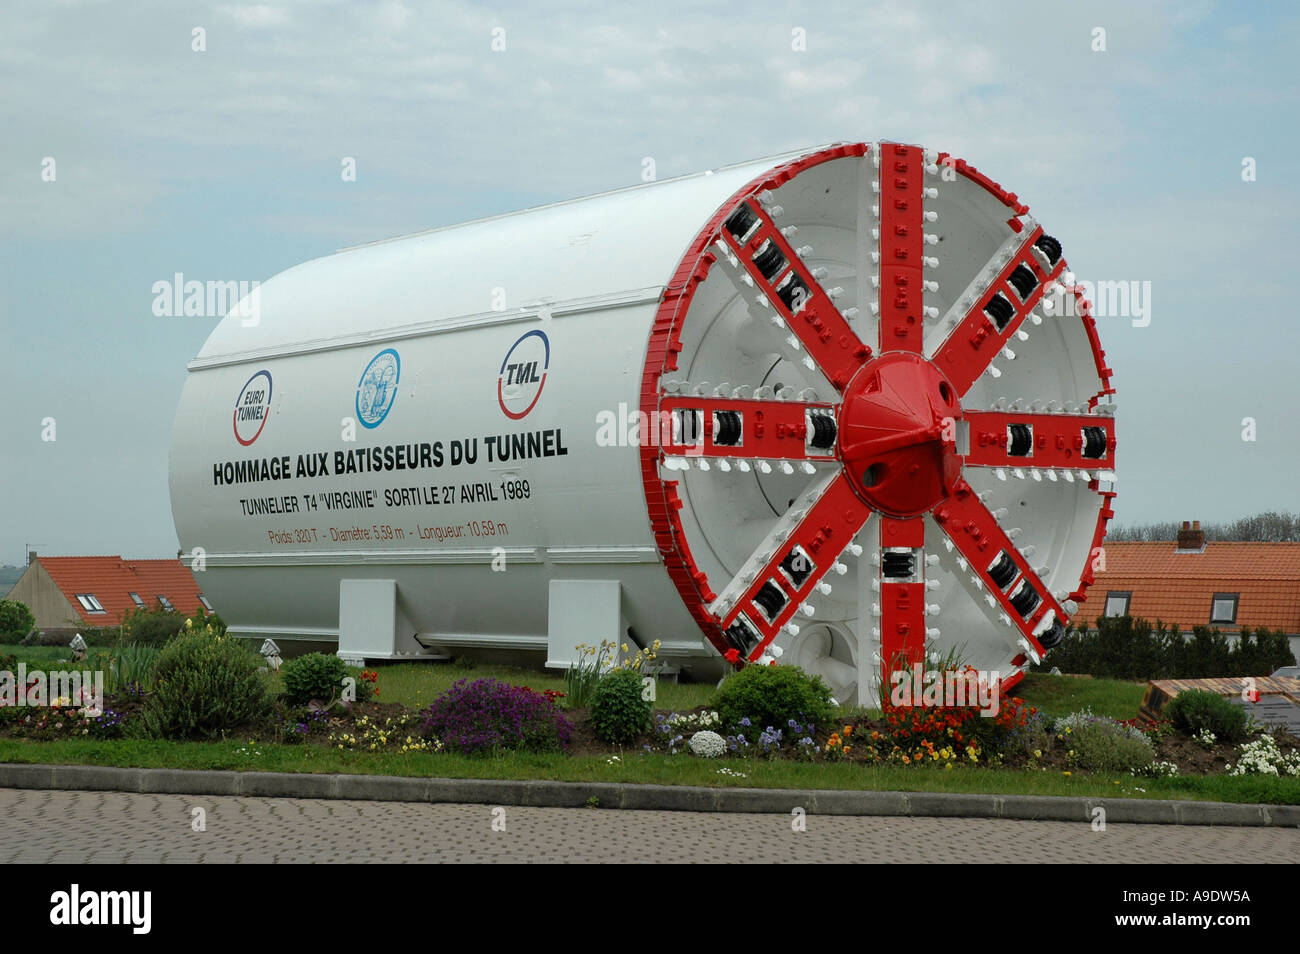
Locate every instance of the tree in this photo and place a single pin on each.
(16, 620)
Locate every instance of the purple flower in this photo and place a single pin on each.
(487, 714)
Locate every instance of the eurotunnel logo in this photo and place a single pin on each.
(377, 389)
(252, 408)
(523, 374)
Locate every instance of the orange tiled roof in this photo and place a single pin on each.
(111, 579)
(1178, 587)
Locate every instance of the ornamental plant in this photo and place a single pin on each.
(619, 712)
(950, 733)
(1262, 756)
(1196, 711)
(770, 696)
(314, 676)
(204, 685)
(707, 744)
(487, 715)
(1100, 744)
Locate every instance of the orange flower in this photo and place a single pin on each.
(848, 730)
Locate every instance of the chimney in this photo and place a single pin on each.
(1191, 538)
(31, 556)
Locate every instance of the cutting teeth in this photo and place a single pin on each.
(743, 466)
(786, 467)
(808, 468)
(764, 467)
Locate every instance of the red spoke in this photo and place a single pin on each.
(902, 598)
(1066, 441)
(794, 294)
(797, 564)
(977, 339)
(739, 427)
(994, 559)
(902, 244)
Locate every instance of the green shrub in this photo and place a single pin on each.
(772, 696)
(313, 676)
(16, 621)
(1125, 647)
(204, 685)
(1104, 745)
(154, 627)
(1196, 709)
(619, 715)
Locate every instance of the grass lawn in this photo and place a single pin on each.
(415, 685)
(44, 657)
(639, 767)
(1058, 696)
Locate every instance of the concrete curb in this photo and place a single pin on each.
(548, 794)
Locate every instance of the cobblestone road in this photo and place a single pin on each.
(111, 827)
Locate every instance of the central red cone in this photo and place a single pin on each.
(897, 411)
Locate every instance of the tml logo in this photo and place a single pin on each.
(523, 374)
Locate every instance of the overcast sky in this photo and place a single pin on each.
(225, 165)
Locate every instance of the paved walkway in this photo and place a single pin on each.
(113, 827)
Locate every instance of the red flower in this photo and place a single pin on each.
(732, 656)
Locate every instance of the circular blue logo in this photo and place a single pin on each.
(377, 389)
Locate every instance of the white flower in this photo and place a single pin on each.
(707, 745)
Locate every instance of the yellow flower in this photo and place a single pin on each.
(1038, 753)
(1066, 773)
(948, 767)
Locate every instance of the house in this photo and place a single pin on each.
(68, 593)
(1190, 582)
